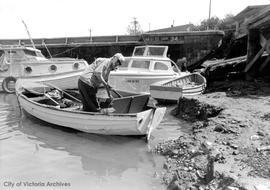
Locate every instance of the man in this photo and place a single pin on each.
(94, 75)
(182, 64)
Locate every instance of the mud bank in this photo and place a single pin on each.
(229, 147)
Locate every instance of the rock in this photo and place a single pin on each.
(166, 166)
(201, 188)
(173, 185)
(255, 137)
(242, 125)
(199, 174)
(231, 188)
(234, 146)
(175, 152)
(220, 128)
(192, 188)
(263, 148)
(261, 187)
(260, 133)
(155, 175)
(208, 145)
(234, 121)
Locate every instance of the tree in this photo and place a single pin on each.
(214, 23)
(210, 24)
(134, 28)
(226, 24)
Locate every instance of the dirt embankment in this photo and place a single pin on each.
(229, 147)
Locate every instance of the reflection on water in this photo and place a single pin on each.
(36, 152)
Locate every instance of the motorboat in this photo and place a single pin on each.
(18, 61)
(184, 86)
(148, 64)
(128, 114)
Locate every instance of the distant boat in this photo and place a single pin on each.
(147, 65)
(130, 113)
(189, 85)
(28, 63)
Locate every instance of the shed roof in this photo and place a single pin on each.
(185, 27)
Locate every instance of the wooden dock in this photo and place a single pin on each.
(193, 45)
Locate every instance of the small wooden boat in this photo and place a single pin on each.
(191, 84)
(130, 114)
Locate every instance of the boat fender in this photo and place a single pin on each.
(6, 82)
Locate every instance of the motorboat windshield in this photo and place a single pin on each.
(153, 51)
(14, 54)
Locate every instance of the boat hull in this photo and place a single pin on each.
(189, 85)
(29, 63)
(138, 83)
(132, 123)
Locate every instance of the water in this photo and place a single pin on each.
(36, 155)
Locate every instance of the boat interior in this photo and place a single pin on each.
(123, 102)
(189, 80)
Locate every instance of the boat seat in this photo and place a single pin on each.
(121, 105)
(138, 103)
(133, 104)
(73, 108)
(38, 98)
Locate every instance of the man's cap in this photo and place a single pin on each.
(120, 57)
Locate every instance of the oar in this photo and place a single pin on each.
(51, 85)
(48, 96)
(117, 93)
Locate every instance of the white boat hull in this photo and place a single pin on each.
(140, 123)
(137, 82)
(29, 64)
(147, 65)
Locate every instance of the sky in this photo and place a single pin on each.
(73, 18)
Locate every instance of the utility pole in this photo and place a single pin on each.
(209, 16)
(209, 10)
(90, 31)
(135, 22)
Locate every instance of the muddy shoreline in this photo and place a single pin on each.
(229, 147)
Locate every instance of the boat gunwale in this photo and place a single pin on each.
(163, 85)
(181, 77)
(79, 111)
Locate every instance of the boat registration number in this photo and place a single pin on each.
(132, 81)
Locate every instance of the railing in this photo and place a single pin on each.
(149, 38)
(75, 40)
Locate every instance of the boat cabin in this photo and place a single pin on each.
(148, 64)
(16, 54)
(149, 59)
(142, 64)
(18, 61)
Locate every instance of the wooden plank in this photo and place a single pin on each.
(264, 63)
(249, 65)
(259, 19)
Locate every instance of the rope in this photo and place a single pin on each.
(67, 50)
(19, 105)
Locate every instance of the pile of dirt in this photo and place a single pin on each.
(229, 147)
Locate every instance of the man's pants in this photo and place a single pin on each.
(89, 98)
